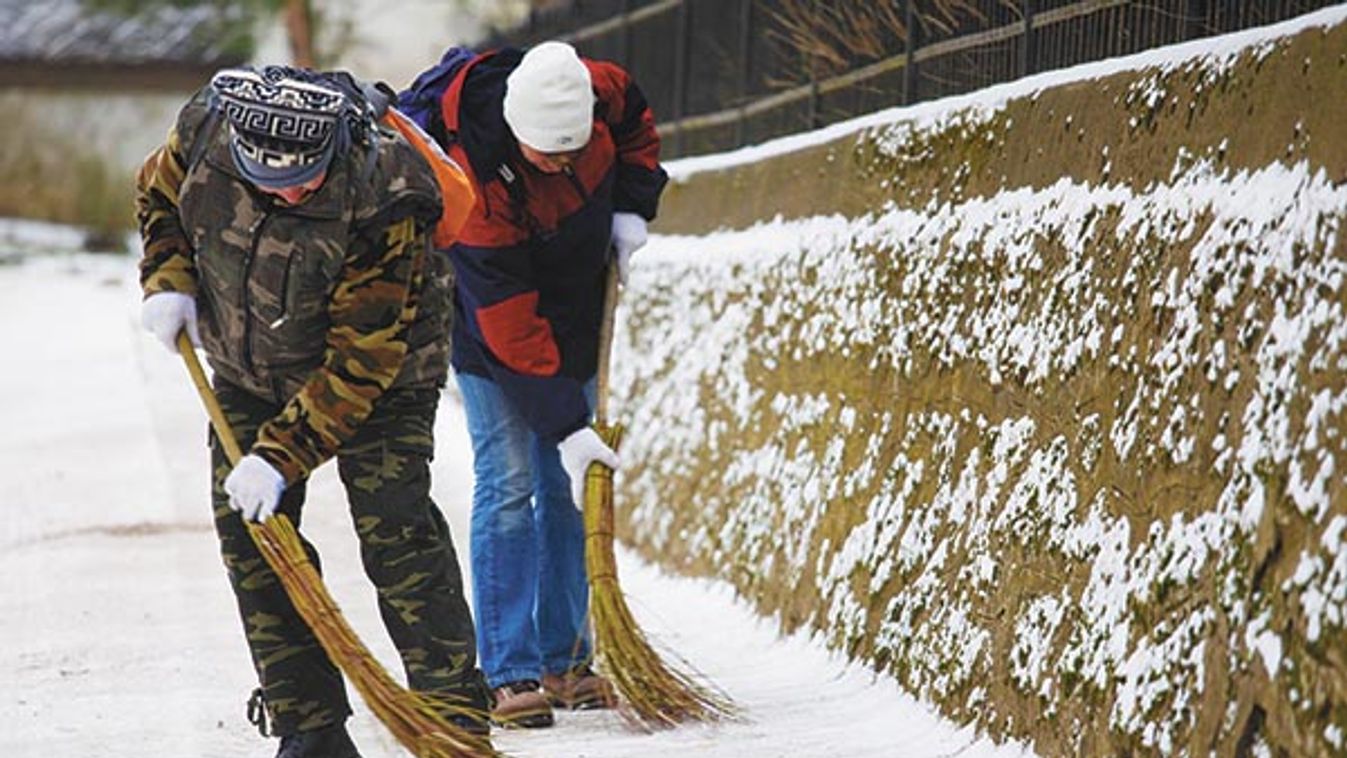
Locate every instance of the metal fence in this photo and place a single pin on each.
(724, 73)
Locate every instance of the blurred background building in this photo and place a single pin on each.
(89, 87)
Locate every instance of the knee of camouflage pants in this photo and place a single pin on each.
(406, 547)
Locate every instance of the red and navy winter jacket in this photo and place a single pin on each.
(530, 260)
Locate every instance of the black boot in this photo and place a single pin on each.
(467, 706)
(325, 742)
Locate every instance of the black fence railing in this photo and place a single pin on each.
(724, 73)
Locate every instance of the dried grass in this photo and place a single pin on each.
(831, 38)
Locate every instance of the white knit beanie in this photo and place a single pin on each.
(549, 99)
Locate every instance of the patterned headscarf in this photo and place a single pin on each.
(283, 130)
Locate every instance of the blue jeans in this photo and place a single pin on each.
(530, 591)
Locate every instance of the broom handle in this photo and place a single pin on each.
(213, 409)
(610, 293)
(408, 717)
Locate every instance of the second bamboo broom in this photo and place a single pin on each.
(413, 720)
(655, 693)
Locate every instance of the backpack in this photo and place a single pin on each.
(421, 101)
(456, 191)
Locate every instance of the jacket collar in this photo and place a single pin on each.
(474, 113)
(329, 201)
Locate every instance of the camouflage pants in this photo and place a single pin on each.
(405, 548)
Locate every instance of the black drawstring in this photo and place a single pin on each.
(257, 711)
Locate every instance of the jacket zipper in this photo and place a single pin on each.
(284, 294)
(579, 187)
(247, 277)
(246, 299)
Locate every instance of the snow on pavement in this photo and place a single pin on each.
(119, 632)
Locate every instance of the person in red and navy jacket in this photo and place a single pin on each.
(564, 155)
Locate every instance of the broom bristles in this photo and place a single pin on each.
(413, 719)
(653, 692)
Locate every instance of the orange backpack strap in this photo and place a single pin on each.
(455, 188)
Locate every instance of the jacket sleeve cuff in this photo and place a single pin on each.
(568, 430)
(169, 278)
(280, 460)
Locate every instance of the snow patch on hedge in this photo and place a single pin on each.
(1235, 279)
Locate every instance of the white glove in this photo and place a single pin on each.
(166, 313)
(580, 449)
(629, 235)
(254, 488)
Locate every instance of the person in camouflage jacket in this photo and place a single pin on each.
(286, 231)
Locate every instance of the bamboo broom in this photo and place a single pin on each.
(410, 716)
(656, 694)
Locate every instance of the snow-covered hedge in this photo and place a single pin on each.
(1066, 457)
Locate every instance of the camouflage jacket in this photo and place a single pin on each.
(319, 307)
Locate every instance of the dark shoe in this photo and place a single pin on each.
(325, 742)
(467, 707)
(521, 704)
(477, 727)
(579, 689)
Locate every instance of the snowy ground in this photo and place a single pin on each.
(118, 635)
